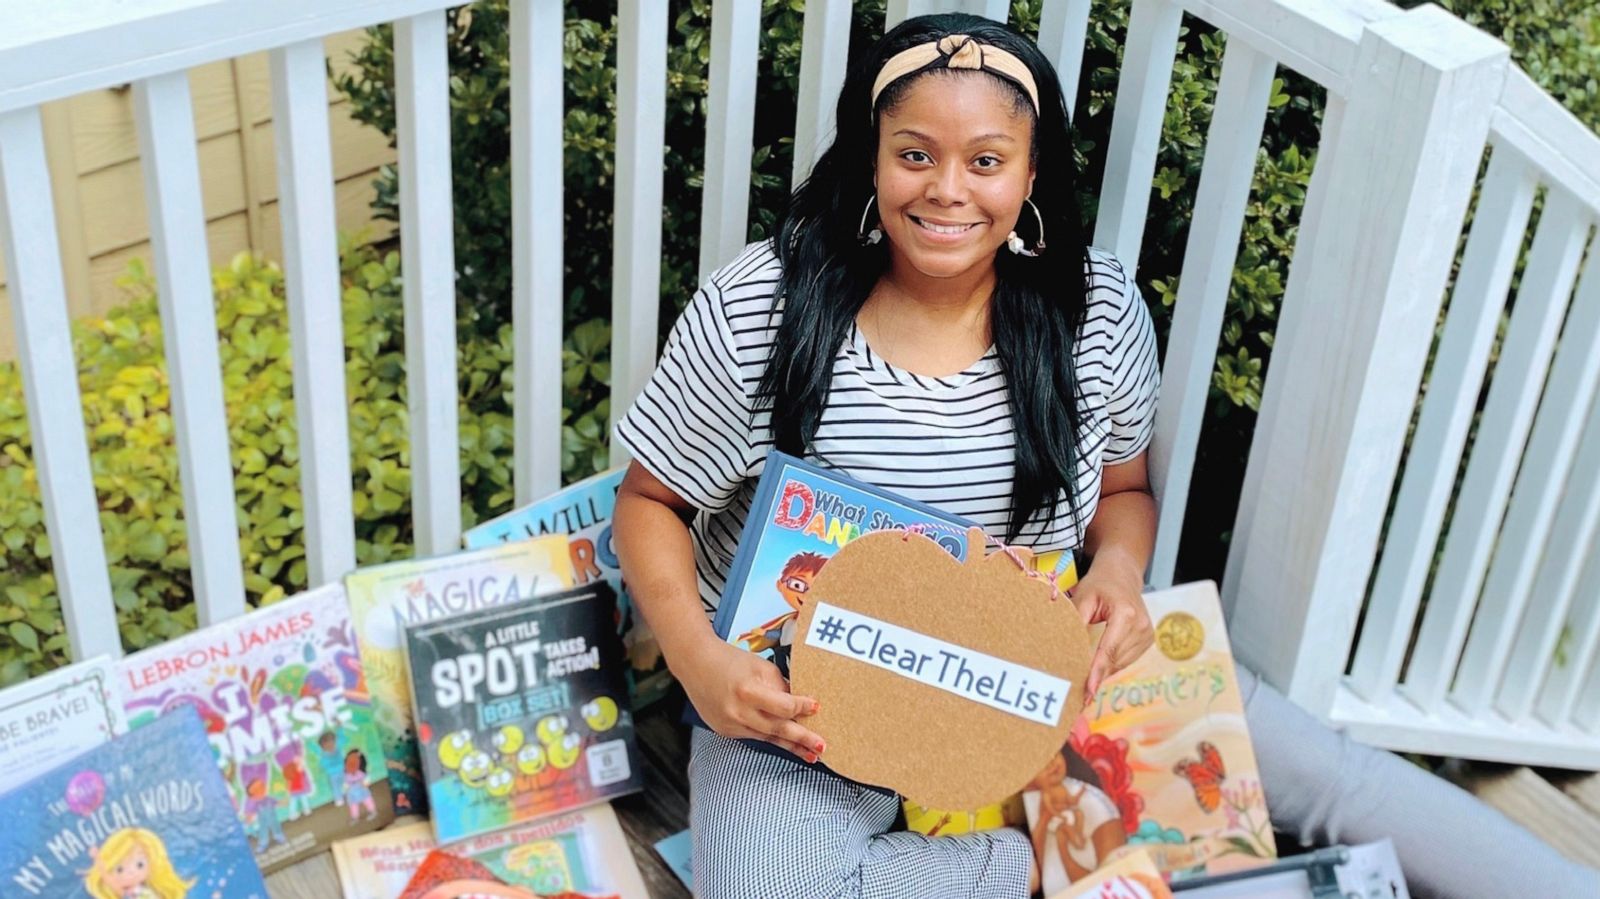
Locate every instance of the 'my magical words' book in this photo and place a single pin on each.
(522, 711)
(284, 700)
(145, 815)
(385, 599)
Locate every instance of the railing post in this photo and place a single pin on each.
(50, 387)
(1412, 135)
(636, 251)
(537, 295)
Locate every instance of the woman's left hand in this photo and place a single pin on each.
(1111, 592)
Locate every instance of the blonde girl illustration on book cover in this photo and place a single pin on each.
(133, 864)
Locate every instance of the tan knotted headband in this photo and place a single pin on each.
(956, 51)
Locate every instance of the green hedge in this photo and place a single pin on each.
(124, 385)
(125, 391)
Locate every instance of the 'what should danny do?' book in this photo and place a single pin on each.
(522, 711)
(145, 815)
(582, 511)
(385, 599)
(800, 517)
(284, 700)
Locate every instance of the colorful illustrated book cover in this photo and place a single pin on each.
(445, 876)
(1161, 760)
(582, 851)
(582, 512)
(1133, 876)
(522, 711)
(800, 517)
(384, 599)
(284, 701)
(144, 816)
(53, 717)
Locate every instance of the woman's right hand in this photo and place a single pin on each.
(743, 696)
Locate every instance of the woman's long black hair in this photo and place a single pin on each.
(1038, 303)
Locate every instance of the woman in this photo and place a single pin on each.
(910, 326)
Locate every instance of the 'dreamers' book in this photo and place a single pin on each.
(1160, 761)
(384, 599)
(522, 711)
(145, 816)
(284, 700)
(583, 511)
(51, 718)
(581, 851)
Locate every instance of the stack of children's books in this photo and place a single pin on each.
(493, 687)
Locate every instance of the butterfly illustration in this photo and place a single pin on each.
(1205, 774)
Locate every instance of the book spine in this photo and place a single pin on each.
(760, 513)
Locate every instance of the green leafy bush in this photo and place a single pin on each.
(123, 380)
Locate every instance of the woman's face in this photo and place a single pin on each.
(952, 173)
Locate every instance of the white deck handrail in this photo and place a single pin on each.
(1414, 101)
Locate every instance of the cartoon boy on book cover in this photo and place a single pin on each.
(794, 582)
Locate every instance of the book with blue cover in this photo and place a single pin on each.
(582, 511)
(800, 517)
(146, 816)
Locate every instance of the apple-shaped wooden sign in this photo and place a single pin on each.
(950, 682)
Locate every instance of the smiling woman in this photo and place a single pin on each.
(906, 326)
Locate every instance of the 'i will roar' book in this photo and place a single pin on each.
(522, 711)
(145, 816)
(385, 599)
(583, 512)
(284, 700)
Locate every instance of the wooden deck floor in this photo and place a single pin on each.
(1563, 808)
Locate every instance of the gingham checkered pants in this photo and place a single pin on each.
(768, 827)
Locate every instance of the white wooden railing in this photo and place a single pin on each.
(1414, 100)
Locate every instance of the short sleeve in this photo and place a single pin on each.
(1135, 379)
(691, 426)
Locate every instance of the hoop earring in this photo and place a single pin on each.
(868, 238)
(1015, 244)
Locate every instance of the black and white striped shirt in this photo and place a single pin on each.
(943, 441)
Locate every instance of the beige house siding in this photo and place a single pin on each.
(100, 211)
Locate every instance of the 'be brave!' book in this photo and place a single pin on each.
(522, 711)
(583, 512)
(284, 700)
(385, 599)
(145, 816)
(51, 718)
